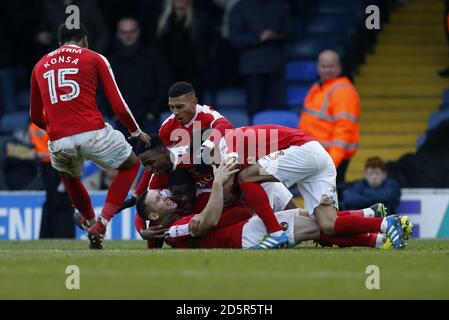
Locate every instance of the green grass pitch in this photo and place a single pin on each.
(127, 270)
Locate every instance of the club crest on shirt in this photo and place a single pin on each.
(276, 155)
(284, 226)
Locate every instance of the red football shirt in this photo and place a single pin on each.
(64, 84)
(254, 142)
(172, 131)
(200, 203)
(205, 117)
(228, 234)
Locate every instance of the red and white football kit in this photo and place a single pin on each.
(290, 155)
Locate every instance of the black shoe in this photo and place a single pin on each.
(80, 221)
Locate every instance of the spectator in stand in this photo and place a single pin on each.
(53, 14)
(181, 35)
(376, 187)
(141, 73)
(257, 29)
(331, 113)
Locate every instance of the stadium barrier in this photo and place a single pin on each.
(21, 212)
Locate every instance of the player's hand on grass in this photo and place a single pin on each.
(143, 138)
(225, 170)
(152, 233)
(128, 203)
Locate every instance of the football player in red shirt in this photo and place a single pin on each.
(161, 160)
(276, 153)
(63, 102)
(182, 199)
(202, 229)
(178, 130)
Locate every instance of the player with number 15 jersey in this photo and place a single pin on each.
(63, 102)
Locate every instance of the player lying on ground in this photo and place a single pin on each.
(275, 153)
(160, 159)
(186, 197)
(63, 102)
(163, 214)
(177, 130)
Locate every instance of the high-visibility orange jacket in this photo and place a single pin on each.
(39, 138)
(331, 115)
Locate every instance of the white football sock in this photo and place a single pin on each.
(276, 234)
(368, 213)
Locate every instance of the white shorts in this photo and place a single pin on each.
(278, 195)
(254, 230)
(310, 167)
(106, 147)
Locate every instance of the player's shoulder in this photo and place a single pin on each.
(205, 109)
(208, 114)
(90, 54)
(168, 123)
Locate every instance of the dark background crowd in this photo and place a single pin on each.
(213, 44)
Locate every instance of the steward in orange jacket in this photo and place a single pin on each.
(331, 112)
(39, 138)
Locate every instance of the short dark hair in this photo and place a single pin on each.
(156, 143)
(375, 163)
(180, 177)
(66, 35)
(141, 206)
(180, 89)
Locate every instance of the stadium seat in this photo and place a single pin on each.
(445, 97)
(421, 140)
(164, 115)
(23, 100)
(296, 28)
(296, 95)
(354, 9)
(444, 106)
(437, 117)
(230, 98)
(14, 121)
(309, 48)
(238, 118)
(328, 25)
(208, 99)
(276, 117)
(301, 70)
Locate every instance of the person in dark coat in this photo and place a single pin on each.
(258, 30)
(141, 74)
(53, 14)
(184, 36)
(375, 188)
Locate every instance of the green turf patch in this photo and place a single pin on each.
(127, 270)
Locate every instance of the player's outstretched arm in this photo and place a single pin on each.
(143, 137)
(211, 214)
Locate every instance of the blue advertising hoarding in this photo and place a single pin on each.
(21, 213)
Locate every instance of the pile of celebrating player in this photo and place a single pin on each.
(206, 184)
